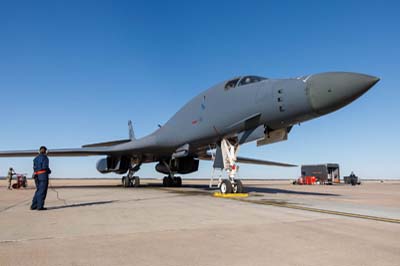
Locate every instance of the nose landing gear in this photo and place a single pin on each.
(225, 159)
(226, 186)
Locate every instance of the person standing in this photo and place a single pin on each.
(41, 171)
(9, 176)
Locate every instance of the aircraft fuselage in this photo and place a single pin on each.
(273, 103)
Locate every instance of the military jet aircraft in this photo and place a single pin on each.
(255, 109)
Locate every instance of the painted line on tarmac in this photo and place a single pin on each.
(303, 208)
(284, 204)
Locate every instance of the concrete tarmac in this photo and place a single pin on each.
(97, 222)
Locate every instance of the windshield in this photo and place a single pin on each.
(231, 84)
(250, 79)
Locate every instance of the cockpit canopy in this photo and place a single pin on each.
(243, 81)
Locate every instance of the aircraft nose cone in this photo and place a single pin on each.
(328, 92)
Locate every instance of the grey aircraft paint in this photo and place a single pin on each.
(253, 107)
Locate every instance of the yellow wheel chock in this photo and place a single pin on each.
(230, 195)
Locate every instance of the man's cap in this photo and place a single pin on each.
(43, 147)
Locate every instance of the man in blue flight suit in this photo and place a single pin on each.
(41, 172)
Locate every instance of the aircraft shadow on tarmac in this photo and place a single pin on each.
(81, 204)
(257, 190)
(86, 186)
(285, 191)
(205, 187)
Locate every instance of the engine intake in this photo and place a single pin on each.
(182, 166)
(119, 165)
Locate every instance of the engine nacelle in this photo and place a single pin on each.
(182, 166)
(119, 165)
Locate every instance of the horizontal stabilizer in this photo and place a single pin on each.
(115, 142)
(106, 144)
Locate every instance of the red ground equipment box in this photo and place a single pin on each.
(21, 181)
(307, 180)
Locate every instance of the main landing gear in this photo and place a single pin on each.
(133, 181)
(226, 160)
(172, 181)
(130, 180)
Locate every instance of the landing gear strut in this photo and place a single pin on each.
(130, 180)
(227, 161)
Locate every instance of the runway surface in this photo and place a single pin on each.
(97, 222)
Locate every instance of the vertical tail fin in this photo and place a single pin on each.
(131, 132)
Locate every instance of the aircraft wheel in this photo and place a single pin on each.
(126, 181)
(226, 187)
(238, 187)
(135, 181)
(178, 181)
(168, 181)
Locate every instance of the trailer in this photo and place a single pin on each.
(328, 173)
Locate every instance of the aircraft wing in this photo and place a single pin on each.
(58, 152)
(94, 149)
(263, 162)
(252, 161)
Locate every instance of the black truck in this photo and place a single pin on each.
(325, 173)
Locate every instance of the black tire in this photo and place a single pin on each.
(226, 187)
(178, 181)
(135, 181)
(168, 181)
(127, 182)
(238, 187)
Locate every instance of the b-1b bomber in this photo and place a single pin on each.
(215, 123)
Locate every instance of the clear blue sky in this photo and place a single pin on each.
(74, 72)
